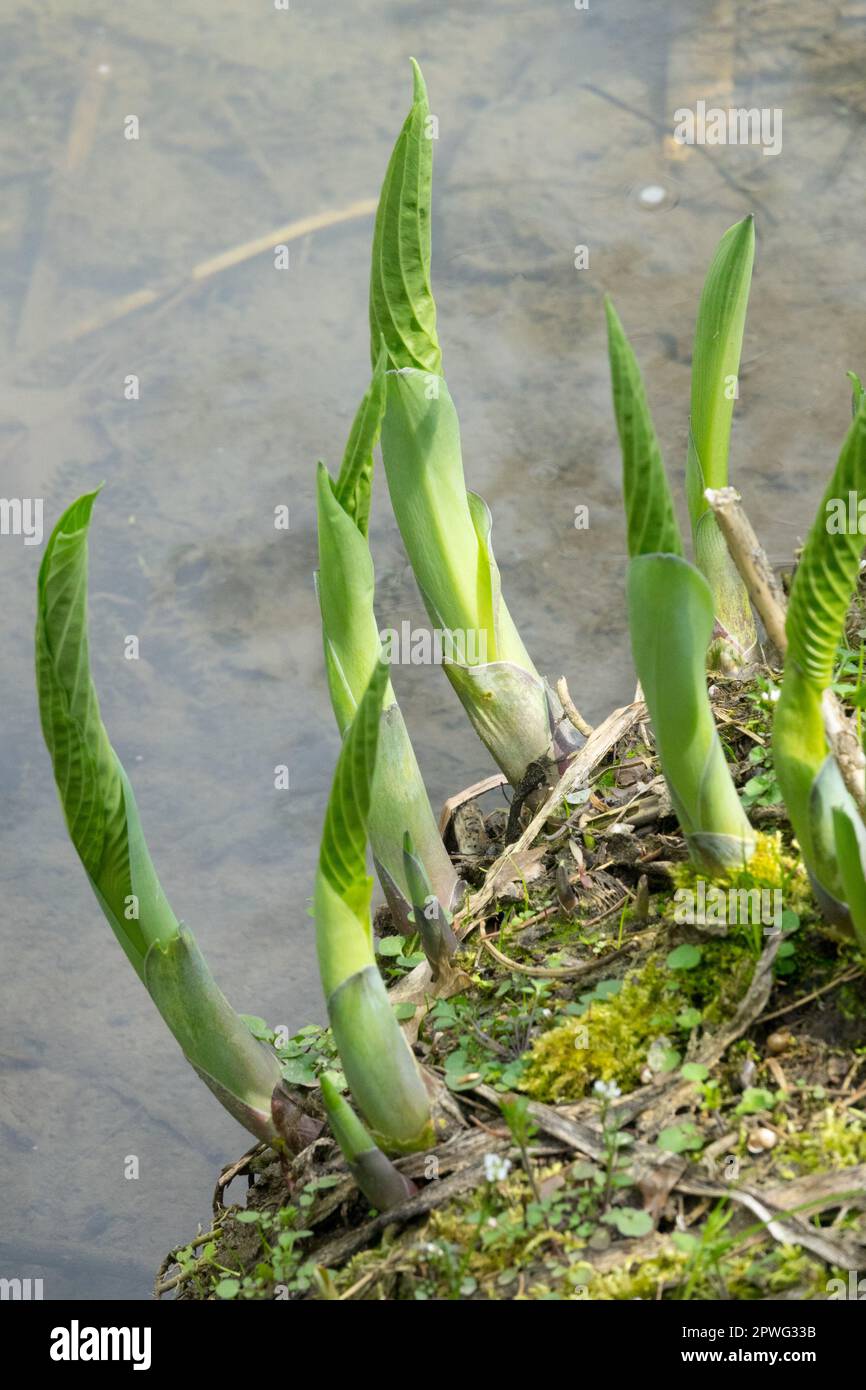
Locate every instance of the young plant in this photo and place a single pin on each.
(381, 1183)
(383, 1076)
(715, 365)
(670, 610)
(429, 918)
(104, 827)
(824, 815)
(446, 530)
(345, 585)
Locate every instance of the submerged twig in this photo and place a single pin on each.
(224, 260)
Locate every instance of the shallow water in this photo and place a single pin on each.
(551, 122)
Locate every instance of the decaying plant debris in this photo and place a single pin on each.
(732, 1166)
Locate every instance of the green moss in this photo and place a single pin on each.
(771, 866)
(480, 1245)
(773, 1270)
(638, 1278)
(717, 984)
(743, 1276)
(608, 1042)
(839, 1141)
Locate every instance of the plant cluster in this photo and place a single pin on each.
(682, 616)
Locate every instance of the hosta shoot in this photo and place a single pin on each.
(345, 585)
(824, 816)
(715, 371)
(671, 620)
(381, 1183)
(104, 826)
(447, 530)
(383, 1077)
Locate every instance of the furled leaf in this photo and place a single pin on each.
(345, 585)
(103, 823)
(239, 1071)
(353, 488)
(379, 1066)
(95, 794)
(670, 619)
(808, 776)
(849, 853)
(715, 367)
(650, 517)
(382, 1073)
(446, 531)
(826, 575)
(716, 361)
(402, 309)
(399, 801)
(342, 856)
(381, 1183)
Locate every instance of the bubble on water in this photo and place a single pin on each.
(653, 197)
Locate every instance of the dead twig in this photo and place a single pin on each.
(160, 1285)
(572, 712)
(554, 972)
(472, 793)
(232, 1171)
(815, 994)
(598, 745)
(225, 260)
(751, 560)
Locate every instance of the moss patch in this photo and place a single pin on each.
(838, 1141)
(608, 1041)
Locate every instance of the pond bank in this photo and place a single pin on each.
(634, 1104)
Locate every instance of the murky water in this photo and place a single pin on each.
(552, 121)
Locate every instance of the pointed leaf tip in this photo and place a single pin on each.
(651, 522)
(401, 300)
(419, 86)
